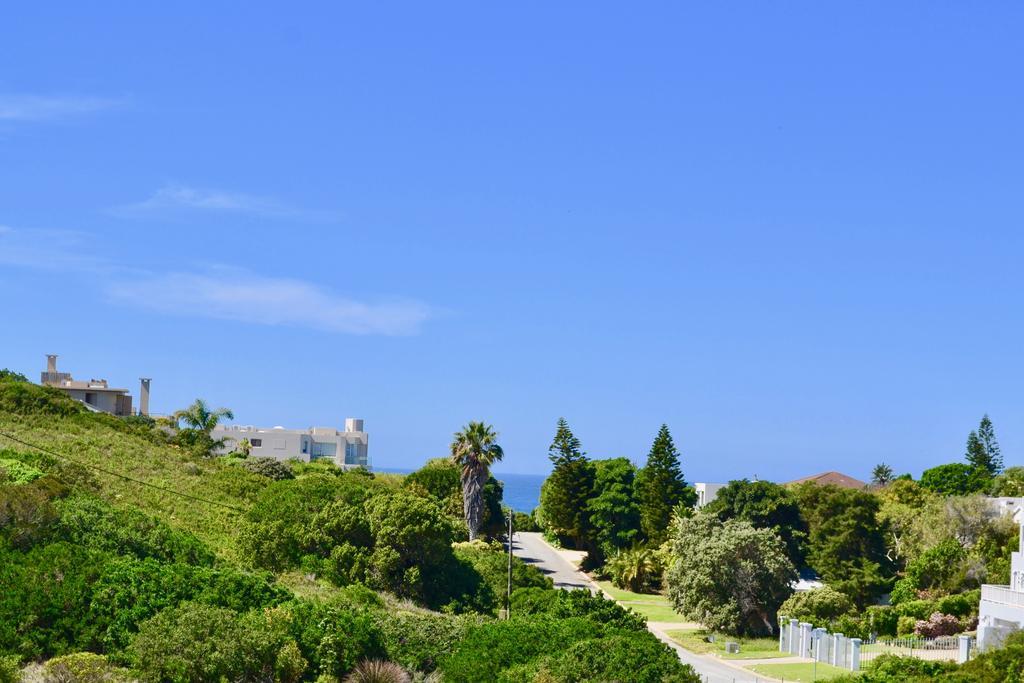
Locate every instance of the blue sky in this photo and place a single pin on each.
(791, 231)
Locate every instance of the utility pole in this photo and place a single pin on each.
(508, 595)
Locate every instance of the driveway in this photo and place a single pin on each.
(531, 548)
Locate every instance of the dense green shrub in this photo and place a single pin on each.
(332, 636)
(9, 669)
(894, 669)
(91, 522)
(25, 398)
(16, 472)
(881, 620)
(820, 606)
(27, 511)
(45, 598)
(562, 649)
(130, 591)
(564, 604)
(956, 479)
(271, 468)
(524, 521)
(197, 643)
(83, 667)
(491, 648)
(419, 641)
(634, 657)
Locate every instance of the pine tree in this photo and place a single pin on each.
(987, 436)
(566, 491)
(660, 487)
(983, 450)
(881, 475)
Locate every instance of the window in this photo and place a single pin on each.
(305, 446)
(256, 443)
(323, 449)
(352, 454)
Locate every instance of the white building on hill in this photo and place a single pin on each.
(347, 449)
(1002, 607)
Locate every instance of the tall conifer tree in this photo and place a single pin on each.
(565, 493)
(983, 450)
(660, 487)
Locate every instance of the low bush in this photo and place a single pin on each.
(83, 667)
(419, 641)
(634, 657)
(16, 472)
(9, 670)
(936, 625)
(270, 468)
(905, 626)
(895, 669)
(820, 606)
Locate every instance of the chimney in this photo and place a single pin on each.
(144, 395)
(51, 362)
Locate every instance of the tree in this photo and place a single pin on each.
(201, 417)
(955, 479)
(638, 569)
(766, 506)
(564, 495)
(881, 475)
(12, 375)
(613, 509)
(474, 450)
(846, 541)
(728, 576)
(820, 606)
(1009, 483)
(660, 487)
(983, 449)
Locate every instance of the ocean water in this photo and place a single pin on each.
(522, 491)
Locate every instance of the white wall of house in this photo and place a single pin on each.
(347, 449)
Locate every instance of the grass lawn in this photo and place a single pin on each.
(750, 648)
(654, 607)
(801, 672)
(630, 596)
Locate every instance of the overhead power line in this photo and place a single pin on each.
(120, 476)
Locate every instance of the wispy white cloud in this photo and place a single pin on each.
(175, 198)
(217, 292)
(238, 295)
(26, 107)
(47, 249)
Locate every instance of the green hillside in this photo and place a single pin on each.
(48, 418)
(129, 557)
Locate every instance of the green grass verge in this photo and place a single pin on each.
(694, 640)
(629, 596)
(800, 672)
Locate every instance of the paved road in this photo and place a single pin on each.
(532, 548)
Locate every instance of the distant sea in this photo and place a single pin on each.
(522, 491)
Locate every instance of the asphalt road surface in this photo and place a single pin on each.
(531, 548)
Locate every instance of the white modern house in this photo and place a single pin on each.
(706, 492)
(1002, 607)
(347, 449)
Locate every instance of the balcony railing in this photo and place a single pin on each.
(1003, 595)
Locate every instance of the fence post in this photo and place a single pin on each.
(854, 654)
(782, 635)
(838, 649)
(964, 652)
(805, 639)
(793, 636)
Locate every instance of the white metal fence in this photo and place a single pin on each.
(801, 639)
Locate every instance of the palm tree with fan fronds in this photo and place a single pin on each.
(474, 450)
